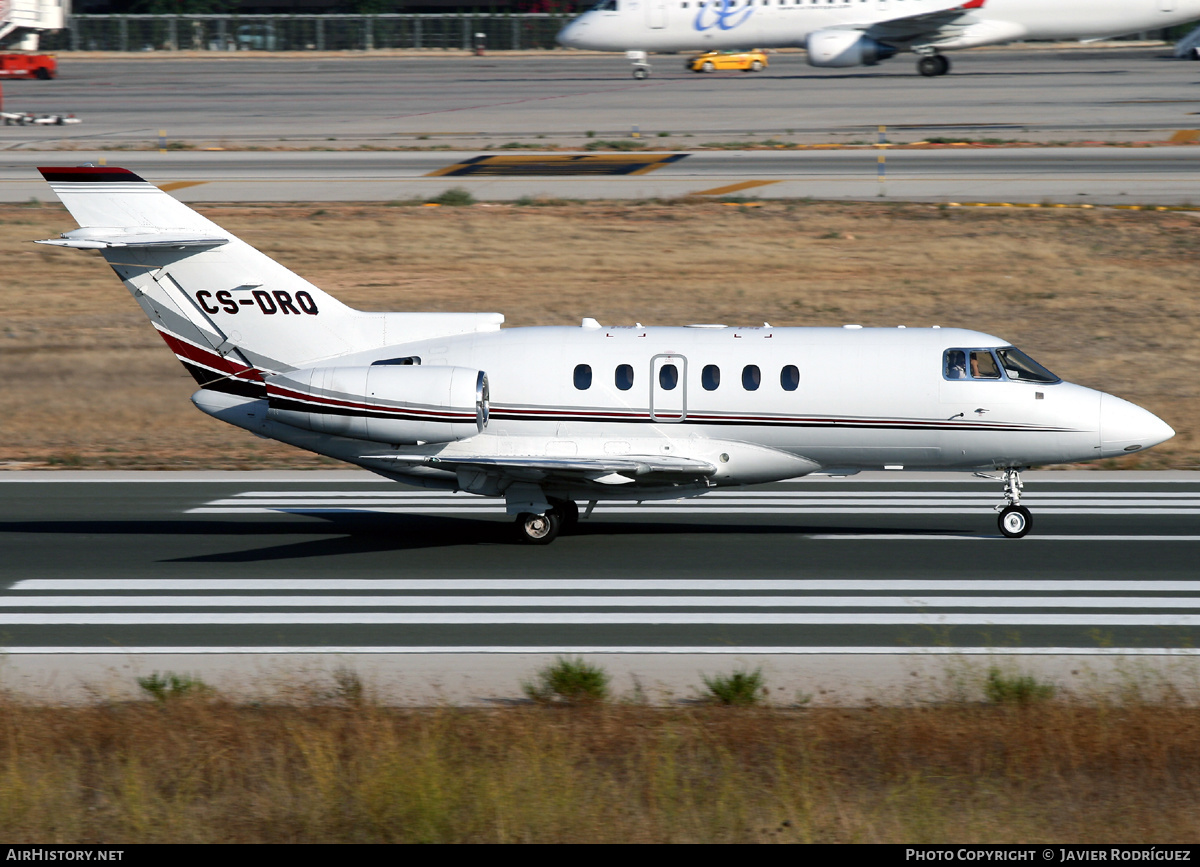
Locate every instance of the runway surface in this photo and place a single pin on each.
(327, 110)
(1159, 176)
(1043, 94)
(345, 563)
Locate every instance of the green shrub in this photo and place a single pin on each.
(620, 144)
(167, 686)
(740, 689)
(454, 197)
(569, 680)
(1002, 688)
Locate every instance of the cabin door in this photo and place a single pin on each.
(656, 14)
(668, 388)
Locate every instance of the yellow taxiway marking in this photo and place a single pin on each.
(180, 185)
(733, 188)
(565, 164)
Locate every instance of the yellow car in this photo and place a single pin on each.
(711, 61)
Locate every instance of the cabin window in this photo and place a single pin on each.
(1022, 368)
(710, 377)
(789, 377)
(624, 377)
(668, 376)
(405, 361)
(583, 376)
(751, 377)
(606, 6)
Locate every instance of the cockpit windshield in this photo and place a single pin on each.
(982, 364)
(605, 6)
(1022, 368)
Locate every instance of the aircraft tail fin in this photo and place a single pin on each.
(229, 312)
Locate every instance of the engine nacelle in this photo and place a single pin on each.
(845, 48)
(382, 403)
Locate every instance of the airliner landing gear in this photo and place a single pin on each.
(641, 69)
(933, 65)
(1015, 520)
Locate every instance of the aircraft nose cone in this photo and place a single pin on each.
(569, 35)
(1126, 427)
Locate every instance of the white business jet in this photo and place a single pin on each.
(842, 33)
(547, 417)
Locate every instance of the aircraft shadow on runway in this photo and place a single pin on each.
(350, 533)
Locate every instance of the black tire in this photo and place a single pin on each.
(1015, 522)
(640, 73)
(943, 64)
(756, 66)
(538, 529)
(567, 512)
(929, 67)
(707, 66)
(43, 73)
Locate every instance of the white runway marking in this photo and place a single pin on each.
(1033, 537)
(767, 502)
(577, 650)
(897, 585)
(604, 618)
(400, 601)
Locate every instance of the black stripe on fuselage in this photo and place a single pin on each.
(286, 405)
(645, 418)
(214, 381)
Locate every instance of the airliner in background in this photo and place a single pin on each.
(548, 417)
(841, 33)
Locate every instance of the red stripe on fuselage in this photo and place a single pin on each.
(208, 358)
(319, 400)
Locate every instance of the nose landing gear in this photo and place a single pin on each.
(1015, 520)
(641, 67)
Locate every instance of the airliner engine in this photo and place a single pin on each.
(845, 48)
(382, 403)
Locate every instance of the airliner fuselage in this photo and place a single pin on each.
(860, 32)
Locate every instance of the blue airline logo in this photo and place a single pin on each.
(723, 14)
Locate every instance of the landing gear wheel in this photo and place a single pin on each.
(933, 65)
(707, 66)
(640, 72)
(538, 529)
(1015, 522)
(568, 513)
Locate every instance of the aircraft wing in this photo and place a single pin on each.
(612, 470)
(909, 28)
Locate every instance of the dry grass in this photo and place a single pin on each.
(1103, 298)
(204, 770)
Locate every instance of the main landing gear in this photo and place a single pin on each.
(533, 529)
(933, 65)
(1015, 520)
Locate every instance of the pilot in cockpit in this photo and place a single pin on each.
(956, 364)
